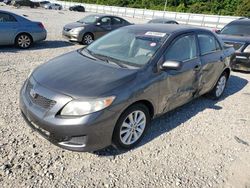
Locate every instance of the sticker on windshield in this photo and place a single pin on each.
(155, 34)
(153, 44)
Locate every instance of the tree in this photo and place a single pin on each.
(243, 8)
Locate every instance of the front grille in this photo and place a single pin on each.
(37, 99)
(236, 45)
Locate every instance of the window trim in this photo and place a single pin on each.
(13, 17)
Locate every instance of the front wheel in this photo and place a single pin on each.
(131, 127)
(220, 86)
(87, 39)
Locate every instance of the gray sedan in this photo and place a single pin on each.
(108, 92)
(92, 27)
(15, 29)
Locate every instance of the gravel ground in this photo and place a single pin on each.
(202, 144)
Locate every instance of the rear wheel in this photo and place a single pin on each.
(88, 38)
(131, 127)
(220, 86)
(23, 41)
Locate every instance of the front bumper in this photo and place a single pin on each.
(71, 37)
(88, 133)
(241, 62)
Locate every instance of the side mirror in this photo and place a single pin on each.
(171, 65)
(217, 31)
(98, 23)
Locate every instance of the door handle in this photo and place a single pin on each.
(197, 67)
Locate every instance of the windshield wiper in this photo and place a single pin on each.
(88, 54)
(108, 59)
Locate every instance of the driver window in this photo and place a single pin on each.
(106, 21)
(183, 49)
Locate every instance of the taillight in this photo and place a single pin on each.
(41, 26)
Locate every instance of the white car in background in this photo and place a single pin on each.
(53, 6)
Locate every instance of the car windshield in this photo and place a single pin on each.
(127, 46)
(239, 29)
(89, 19)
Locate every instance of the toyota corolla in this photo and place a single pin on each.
(107, 93)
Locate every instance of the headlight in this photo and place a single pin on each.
(247, 49)
(76, 30)
(80, 108)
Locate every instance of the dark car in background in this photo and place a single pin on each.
(237, 34)
(162, 21)
(27, 3)
(92, 27)
(107, 93)
(7, 2)
(15, 29)
(78, 8)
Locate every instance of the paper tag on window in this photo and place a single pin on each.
(155, 34)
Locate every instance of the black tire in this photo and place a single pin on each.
(214, 93)
(23, 41)
(119, 128)
(87, 39)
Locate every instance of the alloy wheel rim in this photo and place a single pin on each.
(24, 41)
(221, 86)
(132, 127)
(88, 39)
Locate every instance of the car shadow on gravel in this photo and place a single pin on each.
(48, 44)
(177, 117)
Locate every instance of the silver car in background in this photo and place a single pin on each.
(53, 6)
(15, 29)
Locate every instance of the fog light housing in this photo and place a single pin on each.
(77, 142)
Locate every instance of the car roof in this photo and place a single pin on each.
(162, 19)
(241, 21)
(171, 28)
(102, 15)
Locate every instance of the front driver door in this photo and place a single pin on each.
(103, 26)
(179, 87)
(8, 29)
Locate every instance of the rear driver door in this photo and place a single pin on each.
(212, 61)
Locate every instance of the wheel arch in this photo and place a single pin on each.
(27, 33)
(227, 71)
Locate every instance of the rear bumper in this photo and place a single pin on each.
(88, 133)
(241, 62)
(39, 36)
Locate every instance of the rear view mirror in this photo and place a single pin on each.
(171, 65)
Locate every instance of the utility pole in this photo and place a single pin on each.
(165, 5)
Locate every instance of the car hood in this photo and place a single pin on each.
(80, 77)
(75, 25)
(233, 38)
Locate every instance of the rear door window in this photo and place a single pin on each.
(208, 44)
(116, 21)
